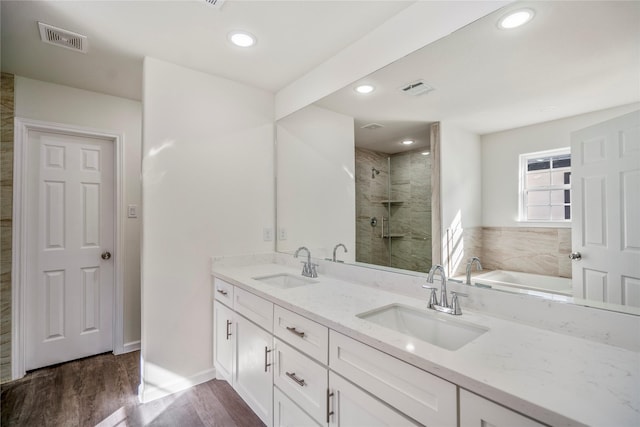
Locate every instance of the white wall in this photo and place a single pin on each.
(316, 182)
(414, 27)
(208, 190)
(461, 190)
(500, 159)
(39, 100)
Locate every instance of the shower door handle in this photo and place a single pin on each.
(382, 232)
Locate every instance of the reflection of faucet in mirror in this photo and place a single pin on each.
(308, 269)
(336, 248)
(443, 287)
(472, 260)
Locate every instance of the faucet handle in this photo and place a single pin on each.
(455, 304)
(305, 268)
(313, 272)
(433, 299)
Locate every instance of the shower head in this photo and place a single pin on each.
(374, 172)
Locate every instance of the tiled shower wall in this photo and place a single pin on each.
(410, 185)
(6, 206)
(370, 192)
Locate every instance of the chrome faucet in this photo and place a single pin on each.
(472, 260)
(308, 268)
(336, 248)
(443, 306)
(443, 286)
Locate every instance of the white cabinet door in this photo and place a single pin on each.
(253, 378)
(223, 341)
(476, 411)
(353, 407)
(288, 414)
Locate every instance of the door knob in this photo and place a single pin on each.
(576, 256)
(106, 255)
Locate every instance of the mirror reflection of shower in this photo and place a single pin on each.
(398, 196)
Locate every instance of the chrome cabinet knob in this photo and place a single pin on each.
(106, 255)
(576, 256)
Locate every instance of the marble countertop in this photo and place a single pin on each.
(554, 378)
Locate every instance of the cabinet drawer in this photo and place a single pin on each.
(288, 414)
(305, 335)
(302, 379)
(254, 308)
(223, 292)
(422, 396)
(352, 406)
(476, 411)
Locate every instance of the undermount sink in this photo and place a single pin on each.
(434, 328)
(285, 280)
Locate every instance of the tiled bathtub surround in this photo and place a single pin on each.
(528, 250)
(6, 187)
(410, 216)
(535, 250)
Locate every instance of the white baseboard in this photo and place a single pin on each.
(149, 392)
(127, 347)
(131, 346)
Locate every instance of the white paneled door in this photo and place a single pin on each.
(606, 211)
(70, 237)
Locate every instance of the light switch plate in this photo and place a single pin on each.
(132, 211)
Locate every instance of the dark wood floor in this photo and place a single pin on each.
(102, 391)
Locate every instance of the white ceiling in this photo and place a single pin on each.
(293, 38)
(572, 58)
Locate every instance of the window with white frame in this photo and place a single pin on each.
(545, 186)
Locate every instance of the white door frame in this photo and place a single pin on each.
(22, 128)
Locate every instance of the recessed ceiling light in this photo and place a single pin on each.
(408, 141)
(242, 38)
(425, 153)
(515, 19)
(364, 89)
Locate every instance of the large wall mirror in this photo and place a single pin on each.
(525, 150)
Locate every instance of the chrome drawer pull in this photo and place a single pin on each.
(228, 331)
(266, 352)
(329, 411)
(293, 331)
(223, 292)
(299, 381)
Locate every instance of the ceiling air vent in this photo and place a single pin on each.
(63, 38)
(372, 126)
(215, 3)
(419, 87)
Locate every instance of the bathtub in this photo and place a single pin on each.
(534, 282)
